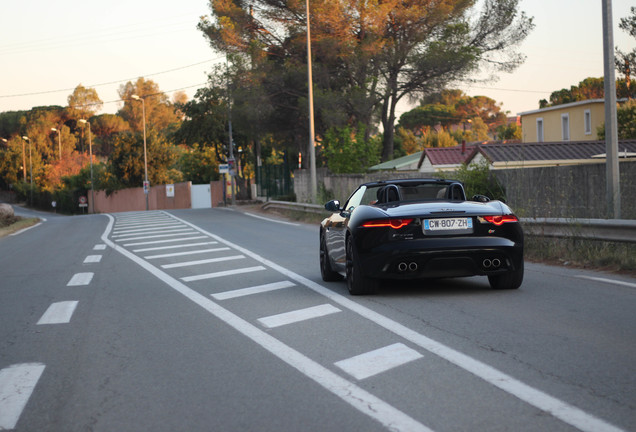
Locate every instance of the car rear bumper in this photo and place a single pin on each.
(439, 257)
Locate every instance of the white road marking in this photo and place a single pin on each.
(16, 385)
(79, 279)
(149, 234)
(194, 252)
(153, 236)
(360, 399)
(609, 281)
(205, 261)
(377, 361)
(92, 259)
(26, 229)
(99, 247)
(562, 410)
(272, 220)
(145, 227)
(222, 273)
(164, 241)
(58, 313)
(252, 290)
(174, 246)
(298, 315)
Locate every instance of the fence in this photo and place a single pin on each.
(574, 191)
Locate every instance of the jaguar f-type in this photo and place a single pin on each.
(419, 229)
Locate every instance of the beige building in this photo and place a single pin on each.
(576, 121)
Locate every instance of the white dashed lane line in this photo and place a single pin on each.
(58, 313)
(91, 259)
(80, 279)
(16, 386)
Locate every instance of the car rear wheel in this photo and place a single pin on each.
(509, 280)
(356, 282)
(326, 271)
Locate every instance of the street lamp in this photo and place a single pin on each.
(26, 138)
(59, 140)
(90, 150)
(143, 111)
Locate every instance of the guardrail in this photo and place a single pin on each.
(612, 230)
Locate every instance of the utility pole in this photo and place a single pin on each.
(231, 161)
(611, 125)
(310, 84)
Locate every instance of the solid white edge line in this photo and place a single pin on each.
(271, 220)
(609, 281)
(16, 385)
(562, 410)
(58, 313)
(357, 397)
(25, 229)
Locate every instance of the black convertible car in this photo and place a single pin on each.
(417, 229)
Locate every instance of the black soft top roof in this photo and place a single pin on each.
(412, 181)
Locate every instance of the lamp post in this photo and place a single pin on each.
(59, 140)
(90, 150)
(143, 111)
(26, 138)
(310, 85)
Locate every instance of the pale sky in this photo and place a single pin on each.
(47, 48)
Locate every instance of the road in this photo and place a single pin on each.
(217, 320)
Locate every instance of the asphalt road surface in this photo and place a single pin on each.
(217, 320)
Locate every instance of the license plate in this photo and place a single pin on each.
(449, 224)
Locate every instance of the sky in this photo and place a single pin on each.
(47, 48)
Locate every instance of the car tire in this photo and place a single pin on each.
(326, 271)
(357, 284)
(509, 280)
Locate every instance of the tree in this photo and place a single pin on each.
(453, 107)
(626, 61)
(376, 53)
(160, 113)
(199, 164)
(348, 151)
(83, 103)
(104, 128)
(626, 119)
(510, 131)
(126, 162)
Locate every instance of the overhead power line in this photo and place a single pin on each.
(112, 82)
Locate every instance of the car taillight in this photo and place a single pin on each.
(500, 220)
(392, 223)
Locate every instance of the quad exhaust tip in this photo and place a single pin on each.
(403, 266)
(491, 263)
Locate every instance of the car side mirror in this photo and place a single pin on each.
(480, 198)
(333, 206)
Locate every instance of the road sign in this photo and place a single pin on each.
(224, 168)
(83, 202)
(146, 187)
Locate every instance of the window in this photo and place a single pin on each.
(540, 130)
(587, 122)
(565, 127)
